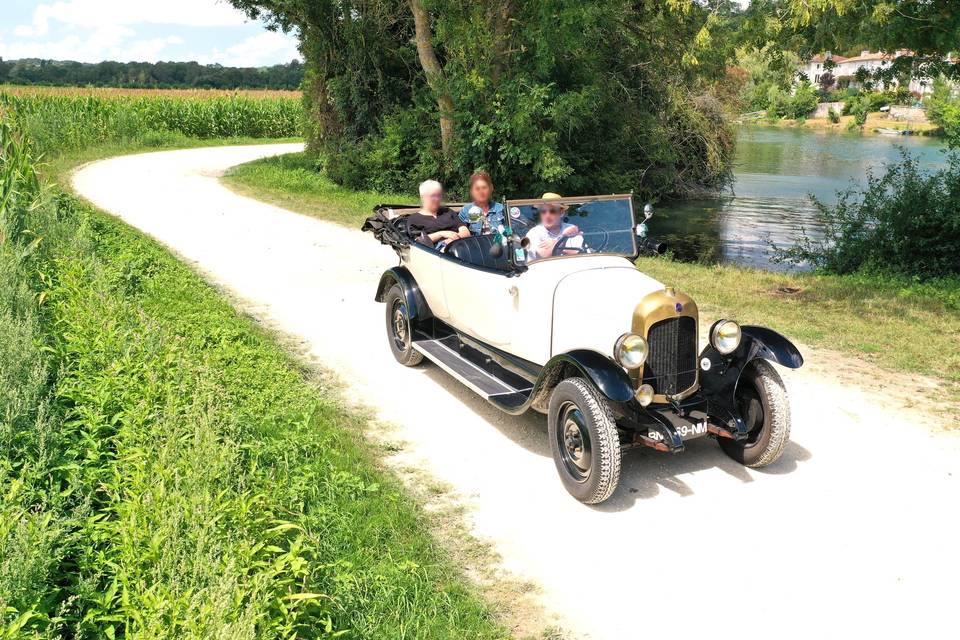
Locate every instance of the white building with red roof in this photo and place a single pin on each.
(844, 70)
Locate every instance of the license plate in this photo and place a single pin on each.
(687, 431)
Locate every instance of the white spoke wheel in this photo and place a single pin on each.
(584, 441)
(761, 400)
(400, 330)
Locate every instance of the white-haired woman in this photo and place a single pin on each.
(437, 222)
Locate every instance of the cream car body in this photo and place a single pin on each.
(607, 352)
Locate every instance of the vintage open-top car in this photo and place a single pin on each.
(609, 354)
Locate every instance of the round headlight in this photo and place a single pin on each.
(630, 351)
(725, 336)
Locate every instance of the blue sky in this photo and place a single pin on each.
(208, 31)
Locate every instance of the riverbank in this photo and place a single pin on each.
(898, 325)
(875, 121)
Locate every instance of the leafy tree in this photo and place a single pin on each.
(545, 94)
(943, 108)
(827, 80)
(928, 28)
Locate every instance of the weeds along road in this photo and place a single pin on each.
(852, 533)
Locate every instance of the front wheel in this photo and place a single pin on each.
(584, 441)
(762, 402)
(399, 330)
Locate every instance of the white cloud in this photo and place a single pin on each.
(144, 31)
(91, 14)
(259, 50)
(108, 42)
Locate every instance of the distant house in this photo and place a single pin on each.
(845, 70)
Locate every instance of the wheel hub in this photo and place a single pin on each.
(573, 438)
(400, 326)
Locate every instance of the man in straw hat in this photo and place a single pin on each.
(545, 236)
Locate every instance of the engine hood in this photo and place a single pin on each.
(594, 307)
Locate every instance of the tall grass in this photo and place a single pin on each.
(68, 121)
(167, 472)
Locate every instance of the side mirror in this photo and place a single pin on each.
(647, 211)
(474, 213)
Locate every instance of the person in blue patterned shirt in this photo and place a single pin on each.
(482, 215)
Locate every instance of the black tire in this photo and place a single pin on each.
(584, 441)
(762, 402)
(399, 330)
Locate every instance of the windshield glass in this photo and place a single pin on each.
(574, 226)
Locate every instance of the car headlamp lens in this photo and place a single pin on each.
(631, 351)
(725, 336)
(645, 395)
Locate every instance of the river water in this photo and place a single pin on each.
(776, 171)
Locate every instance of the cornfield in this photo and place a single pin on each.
(66, 119)
(108, 92)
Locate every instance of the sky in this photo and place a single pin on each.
(208, 31)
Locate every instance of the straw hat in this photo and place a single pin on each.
(551, 196)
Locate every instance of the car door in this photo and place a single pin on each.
(481, 302)
(426, 267)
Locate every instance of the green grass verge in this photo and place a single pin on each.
(898, 324)
(168, 471)
(292, 181)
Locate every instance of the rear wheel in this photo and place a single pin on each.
(762, 402)
(399, 329)
(584, 441)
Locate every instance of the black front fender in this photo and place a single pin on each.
(719, 383)
(604, 373)
(416, 304)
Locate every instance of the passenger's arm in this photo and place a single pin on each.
(463, 232)
(571, 231)
(436, 236)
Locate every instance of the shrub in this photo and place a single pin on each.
(943, 109)
(833, 116)
(904, 222)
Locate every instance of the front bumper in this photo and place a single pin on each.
(665, 427)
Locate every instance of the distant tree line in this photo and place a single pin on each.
(146, 75)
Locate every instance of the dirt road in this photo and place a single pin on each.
(854, 533)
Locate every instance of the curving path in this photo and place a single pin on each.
(854, 533)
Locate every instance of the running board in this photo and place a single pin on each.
(483, 383)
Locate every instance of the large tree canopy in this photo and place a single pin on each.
(573, 95)
(928, 28)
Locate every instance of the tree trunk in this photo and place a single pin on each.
(500, 18)
(434, 72)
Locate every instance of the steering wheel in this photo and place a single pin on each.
(560, 248)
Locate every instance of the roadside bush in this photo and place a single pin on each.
(904, 222)
(833, 116)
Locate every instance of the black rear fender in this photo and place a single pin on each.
(416, 304)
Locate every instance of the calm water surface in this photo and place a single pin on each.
(776, 171)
